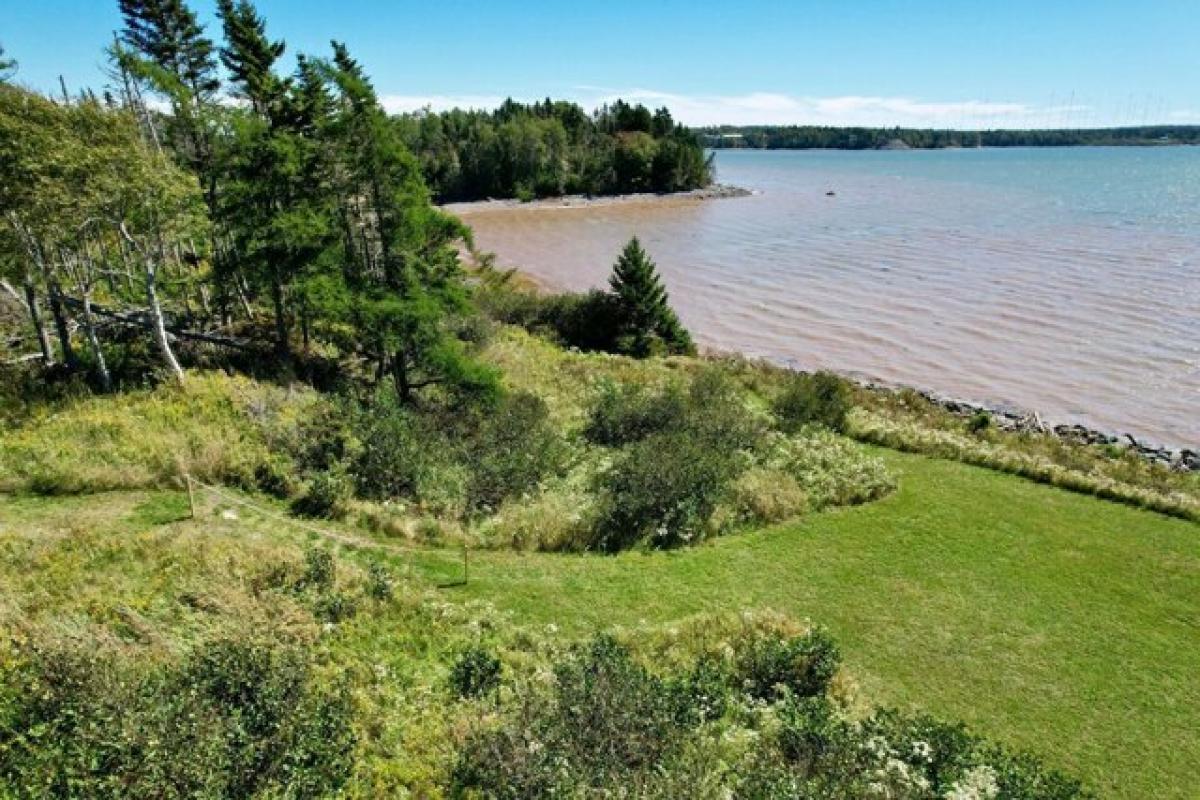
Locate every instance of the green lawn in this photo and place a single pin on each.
(1053, 621)
(1049, 620)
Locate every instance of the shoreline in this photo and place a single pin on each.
(717, 191)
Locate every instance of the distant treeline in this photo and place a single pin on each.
(553, 148)
(799, 137)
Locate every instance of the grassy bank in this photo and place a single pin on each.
(1069, 631)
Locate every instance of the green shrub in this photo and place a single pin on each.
(236, 718)
(319, 570)
(662, 491)
(831, 469)
(604, 720)
(770, 667)
(979, 422)
(515, 446)
(327, 496)
(819, 398)
(626, 413)
(476, 673)
(334, 607)
(379, 581)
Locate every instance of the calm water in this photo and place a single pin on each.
(1062, 280)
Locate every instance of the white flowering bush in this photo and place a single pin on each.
(831, 469)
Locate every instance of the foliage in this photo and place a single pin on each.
(606, 721)
(646, 324)
(625, 413)
(553, 148)
(476, 673)
(820, 398)
(234, 718)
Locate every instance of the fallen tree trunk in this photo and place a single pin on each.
(143, 319)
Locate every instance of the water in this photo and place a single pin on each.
(1061, 280)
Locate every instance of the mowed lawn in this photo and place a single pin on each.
(1056, 622)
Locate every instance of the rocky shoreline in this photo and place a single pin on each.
(718, 191)
(1020, 421)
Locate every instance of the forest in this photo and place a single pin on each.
(552, 148)
(802, 137)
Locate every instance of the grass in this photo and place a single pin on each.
(1053, 621)
(1048, 620)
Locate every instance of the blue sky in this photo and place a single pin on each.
(961, 63)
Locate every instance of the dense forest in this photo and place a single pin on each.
(801, 137)
(554, 148)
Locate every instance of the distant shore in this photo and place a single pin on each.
(717, 191)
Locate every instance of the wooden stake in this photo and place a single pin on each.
(191, 497)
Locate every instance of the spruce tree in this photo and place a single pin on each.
(167, 33)
(646, 324)
(249, 55)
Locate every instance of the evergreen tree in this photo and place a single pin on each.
(646, 324)
(249, 55)
(167, 33)
(8, 66)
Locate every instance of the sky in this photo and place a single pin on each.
(953, 63)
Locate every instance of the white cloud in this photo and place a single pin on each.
(396, 103)
(773, 108)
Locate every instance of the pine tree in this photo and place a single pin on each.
(167, 33)
(646, 324)
(249, 55)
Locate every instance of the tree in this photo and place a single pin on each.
(646, 324)
(249, 55)
(8, 66)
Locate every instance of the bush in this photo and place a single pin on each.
(625, 413)
(820, 398)
(771, 667)
(379, 581)
(327, 496)
(319, 570)
(767, 496)
(476, 672)
(662, 491)
(604, 720)
(514, 448)
(236, 718)
(979, 422)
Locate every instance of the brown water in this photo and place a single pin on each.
(1064, 280)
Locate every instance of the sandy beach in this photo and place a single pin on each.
(714, 192)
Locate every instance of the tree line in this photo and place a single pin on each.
(804, 137)
(552, 148)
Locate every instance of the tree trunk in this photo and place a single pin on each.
(89, 328)
(61, 327)
(400, 377)
(159, 324)
(281, 331)
(39, 327)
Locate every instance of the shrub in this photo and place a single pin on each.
(236, 718)
(626, 413)
(476, 672)
(334, 607)
(514, 447)
(604, 720)
(663, 491)
(771, 666)
(820, 398)
(979, 422)
(327, 496)
(319, 570)
(830, 469)
(379, 581)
